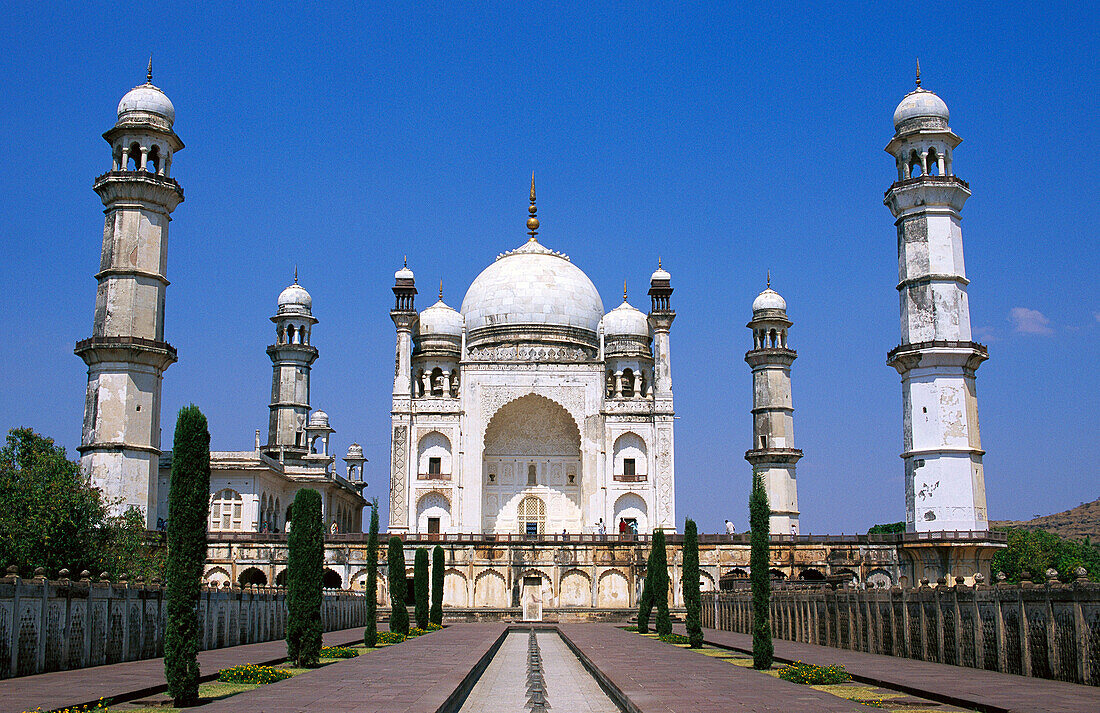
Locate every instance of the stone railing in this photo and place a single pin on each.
(1049, 630)
(54, 625)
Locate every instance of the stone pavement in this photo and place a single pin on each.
(988, 691)
(135, 679)
(659, 678)
(570, 685)
(416, 676)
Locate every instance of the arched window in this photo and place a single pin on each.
(628, 382)
(133, 163)
(772, 339)
(437, 382)
(532, 516)
(914, 164)
(290, 334)
(933, 162)
(152, 162)
(226, 510)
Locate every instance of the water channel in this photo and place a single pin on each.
(535, 671)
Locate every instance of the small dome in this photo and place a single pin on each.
(403, 274)
(920, 103)
(660, 275)
(147, 99)
(318, 419)
(769, 299)
(441, 319)
(295, 299)
(355, 451)
(625, 320)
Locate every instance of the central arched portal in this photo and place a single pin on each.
(532, 450)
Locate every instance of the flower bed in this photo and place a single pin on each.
(251, 673)
(675, 639)
(338, 652)
(390, 637)
(811, 675)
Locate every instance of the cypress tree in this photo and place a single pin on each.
(370, 635)
(305, 574)
(187, 512)
(395, 559)
(645, 602)
(435, 616)
(693, 600)
(759, 523)
(420, 587)
(662, 622)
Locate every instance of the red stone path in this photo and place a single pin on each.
(136, 679)
(982, 690)
(659, 678)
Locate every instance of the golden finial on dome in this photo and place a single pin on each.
(659, 262)
(918, 72)
(624, 290)
(149, 71)
(441, 289)
(295, 274)
(405, 261)
(532, 222)
(769, 285)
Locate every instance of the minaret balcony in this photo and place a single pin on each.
(926, 191)
(139, 185)
(967, 355)
(126, 349)
(759, 456)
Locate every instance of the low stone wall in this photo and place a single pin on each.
(53, 625)
(1047, 630)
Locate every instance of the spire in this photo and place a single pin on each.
(532, 222)
(405, 261)
(624, 290)
(769, 285)
(295, 274)
(441, 289)
(659, 262)
(149, 71)
(918, 72)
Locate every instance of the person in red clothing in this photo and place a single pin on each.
(622, 526)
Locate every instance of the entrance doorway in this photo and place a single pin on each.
(433, 525)
(532, 599)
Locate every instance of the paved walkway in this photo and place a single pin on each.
(978, 689)
(659, 678)
(136, 679)
(416, 676)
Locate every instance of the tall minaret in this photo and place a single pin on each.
(126, 354)
(404, 319)
(292, 356)
(661, 315)
(937, 358)
(773, 454)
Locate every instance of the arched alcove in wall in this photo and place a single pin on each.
(631, 457)
(631, 507)
(433, 455)
(433, 513)
(530, 442)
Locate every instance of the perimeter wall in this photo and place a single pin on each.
(1049, 630)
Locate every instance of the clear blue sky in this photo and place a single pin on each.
(726, 140)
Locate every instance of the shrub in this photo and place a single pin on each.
(693, 600)
(305, 573)
(763, 650)
(662, 622)
(675, 639)
(188, 505)
(629, 628)
(251, 673)
(812, 675)
(420, 587)
(370, 634)
(338, 652)
(432, 626)
(435, 616)
(395, 563)
(390, 637)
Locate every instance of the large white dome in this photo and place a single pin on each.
(532, 286)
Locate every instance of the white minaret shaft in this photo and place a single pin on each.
(661, 316)
(773, 454)
(937, 358)
(127, 354)
(404, 317)
(292, 357)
